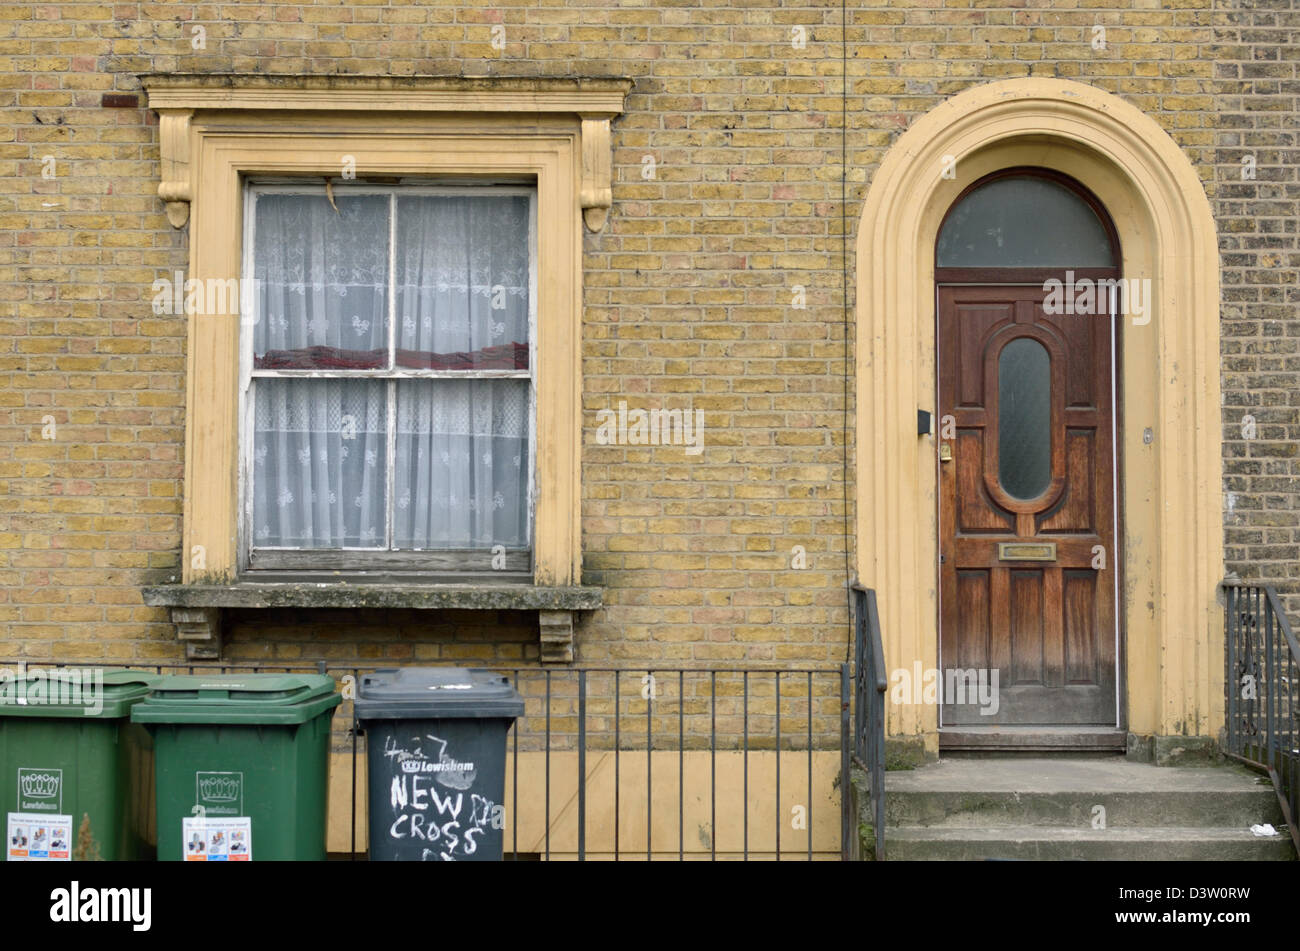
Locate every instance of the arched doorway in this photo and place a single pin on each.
(1170, 552)
(1029, 641)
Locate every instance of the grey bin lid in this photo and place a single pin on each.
(436, 693)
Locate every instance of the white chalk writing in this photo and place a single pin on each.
(423, 813)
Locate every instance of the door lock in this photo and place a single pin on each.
(945, 452)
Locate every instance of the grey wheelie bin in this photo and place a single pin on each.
(436, 758)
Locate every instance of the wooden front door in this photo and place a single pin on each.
(1026, 511)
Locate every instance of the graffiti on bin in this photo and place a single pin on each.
(446, 824)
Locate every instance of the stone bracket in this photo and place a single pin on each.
(174, 143)
(555, 629)
(597, 192)
(199, 629)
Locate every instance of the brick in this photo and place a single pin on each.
(687, 290)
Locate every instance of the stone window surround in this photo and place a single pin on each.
(216, 129)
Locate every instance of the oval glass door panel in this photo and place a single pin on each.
(1024, 419)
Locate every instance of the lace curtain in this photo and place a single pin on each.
(460, 446)
(462, 464)
(462, 282)
(320, 452)
(322, 282)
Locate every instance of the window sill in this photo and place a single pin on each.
(196, 609)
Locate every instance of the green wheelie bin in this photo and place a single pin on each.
(242, 765)
(76, 775)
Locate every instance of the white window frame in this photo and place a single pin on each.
(276, 562)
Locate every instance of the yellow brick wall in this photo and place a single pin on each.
(689, 293)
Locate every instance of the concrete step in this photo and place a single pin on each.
(1036, 808)
(1163, 844)
(1065, 793)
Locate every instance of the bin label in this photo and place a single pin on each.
(38, 837)
(40, 790)
(217, 840)
(219, 793)
(452, 773)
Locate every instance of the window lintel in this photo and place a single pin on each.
(179, 98)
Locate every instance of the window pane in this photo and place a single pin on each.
(322, 282)
(463, 282)
(1023, 221)
(1024, 418)
(462, 464)
(319, 463)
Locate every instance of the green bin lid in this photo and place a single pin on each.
(104, 693)
(277, 699)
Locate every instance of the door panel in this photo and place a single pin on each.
(1026, 509)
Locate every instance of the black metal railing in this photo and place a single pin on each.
(647, 763)
(870, 685)
(1263, 691)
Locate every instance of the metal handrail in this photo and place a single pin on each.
(1262, 688)
(870, 684)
